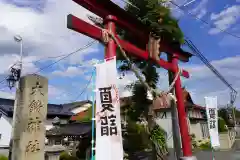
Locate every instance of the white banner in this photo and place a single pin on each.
(212, 116)
(108, 123)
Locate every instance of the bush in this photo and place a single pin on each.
(193, 140)
(66, 156)
(206, 145)
(136, 138)
(221, 125)
(2, 157)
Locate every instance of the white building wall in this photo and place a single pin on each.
(196, 129)
(5, 130)
(166, 124)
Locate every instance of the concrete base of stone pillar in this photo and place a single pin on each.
(188, 158)
(53, 152)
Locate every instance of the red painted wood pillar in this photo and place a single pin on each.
(182, 117)
(110, 50)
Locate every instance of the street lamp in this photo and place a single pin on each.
(11, 81)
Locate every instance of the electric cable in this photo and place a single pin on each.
(80, 49)
(192, 15)
(208, 64)
(204, 21)
(65, 56)
(84, 89)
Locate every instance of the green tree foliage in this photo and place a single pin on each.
(136, 138)
(221, 125)
(66, 156)
(223, 113)
(157, 17)
(86, 116)
(2, 157)
(162, 25)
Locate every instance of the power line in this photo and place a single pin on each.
(66, 56)
(195, 50)
(181, 7)
(80, 49)
(208, 64)
(204, 21)
(88, 83)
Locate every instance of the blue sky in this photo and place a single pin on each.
(42, 24)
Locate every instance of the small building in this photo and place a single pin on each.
(75, 137)
(63, 111)
(196, 117)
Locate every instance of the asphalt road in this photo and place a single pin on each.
(233, 154)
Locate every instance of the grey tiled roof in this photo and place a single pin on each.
(6, 106)
(70, 129)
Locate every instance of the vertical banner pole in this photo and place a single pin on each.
(213, 153)
(93, 115)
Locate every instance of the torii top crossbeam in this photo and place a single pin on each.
(104, 8)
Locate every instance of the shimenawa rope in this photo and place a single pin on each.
(105, 36)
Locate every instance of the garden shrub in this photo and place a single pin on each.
(66, 156)
(2, 157)
(136, 138)
(193, 140)
(205, 145)
(221, 125)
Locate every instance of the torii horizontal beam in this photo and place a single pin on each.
(94, 32)
(103, 8)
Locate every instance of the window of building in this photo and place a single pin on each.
(0, 136)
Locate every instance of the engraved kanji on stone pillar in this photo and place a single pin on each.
(29, 133)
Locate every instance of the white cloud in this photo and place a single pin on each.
(225, 19)
(78, 70)
(229, 41)
(201, 9)
(44, 33)
(71, 71)
(53, 93)
(202, 81)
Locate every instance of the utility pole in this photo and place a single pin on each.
(233, 96)
(15, 81)
(175, 126)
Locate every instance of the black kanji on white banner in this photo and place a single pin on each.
(212, 118)
(212, 113)
(108, 125)
(106, 99)
(212, 124)
(108, 121)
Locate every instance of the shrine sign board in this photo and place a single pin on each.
(31, 111)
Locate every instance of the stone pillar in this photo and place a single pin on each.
(31, 110)
(53, 152)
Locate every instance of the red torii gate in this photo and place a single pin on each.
(112, 15)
